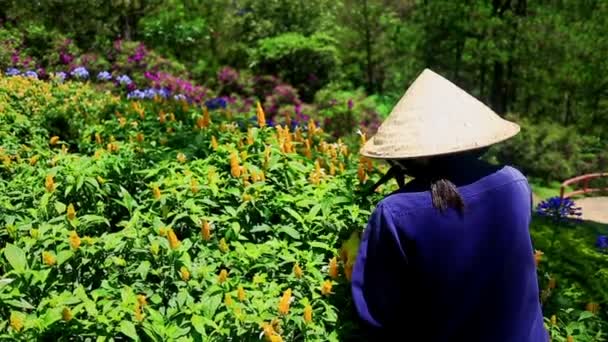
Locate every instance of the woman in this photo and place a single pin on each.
(447, 257)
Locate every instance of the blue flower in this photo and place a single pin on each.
(60, 76)
(12, 72)
(124, 80)
(104, 76)
(136, 94)
(558, 208)
(80, 73)
(218, 102)
(602, 242)
(31, 73)
(164, 92)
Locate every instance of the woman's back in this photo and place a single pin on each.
(432, 276)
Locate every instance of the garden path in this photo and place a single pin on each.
(594, 208)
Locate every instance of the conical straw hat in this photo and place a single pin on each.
(436, 117)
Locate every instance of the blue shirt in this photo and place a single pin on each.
(431, 276)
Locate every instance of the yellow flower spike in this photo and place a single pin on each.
(348, 271)
(223, 245)
(88, 240)
(326, 288)
(284, 302)
(538, 257)
(181, 158)
(206, 230)
(332, 169)
(333, 268)
(363, 138)
(307, 150)
(312, 127)
(64, 149)
(17, 321)
(98, 139)
(570, 339)
(49, 183)
(48, 258)
(156, 192)
(298, 135)
(307, 313)
(171, 117)
(71, 212)
(241, 294)
(122, 122)
(184, 273)
(297, 271)
(228, 299)
(173, 240)
(594, 308)
(162, 231)
(341, 167)
(139, 316)
(34, 160)
(247, 197)
(369, 164)
(223, 276)
(553, 320)
(235, 168)
(66, 314)
(244, 154)
(361, 173)
(261, 115)
(141, 299)
(250, 136)
(194, 185)
(140, 137)
(162, 117)
(54, 140)
(74, 240)
(214, 144)
(206, 117)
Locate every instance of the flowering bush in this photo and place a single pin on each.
(160, 220)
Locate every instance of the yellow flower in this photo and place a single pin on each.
(570, 339)
(161, 117)
(112, 147)
(140, 137)
(363, 138)
(223, 276)
(297, 271)
(184, 273)
(71, 212)
(162, 231)
(156, 192)
(54, 140)
(171, 117)
(223, 245)
(341, 167)
(307, 150)
(348, 271)
(173, 240)
(553, 320)
(141, 299)
(284, 302)
(333, 268)
(98, 139)
(181, 157)
(206, 230)
(74, 240)
(66, 314)
(246, 197)
(270, 334)
(307, 313)
(593, 307)
(326, 287)
(17, 321)
(49, 183)
(235, 168)
(194, 185)
(122, 122)
(228, 299)
(312, 127)
(250, 136)
(48, 258)
(261, 115)
(214, 144)
(34, 160)
(332, 168)
(361, 173)
(538, 257)
(241, 294)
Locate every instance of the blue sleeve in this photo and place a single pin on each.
(379, 273)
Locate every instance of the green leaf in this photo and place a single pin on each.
(15, 257)
(211, 305)
(199, 324)
(231, 211)
(236, 227)
(60, 207)
(290, 231)
(21, 304)
(64, 256)
(94, 219)
(143, 269)
(128, 329)
(294, 214)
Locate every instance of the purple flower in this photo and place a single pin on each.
(80, 73)
(15, 58)
(30, 73)
(558, 208)
(124, 80)
(602, 242)
(350, 104)
(216, 103)
(136, 94)
(139, 55)
(60, 76)
(65, 58)
(131, 86)
(104, 76)
(227, 75)
(12, 72)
